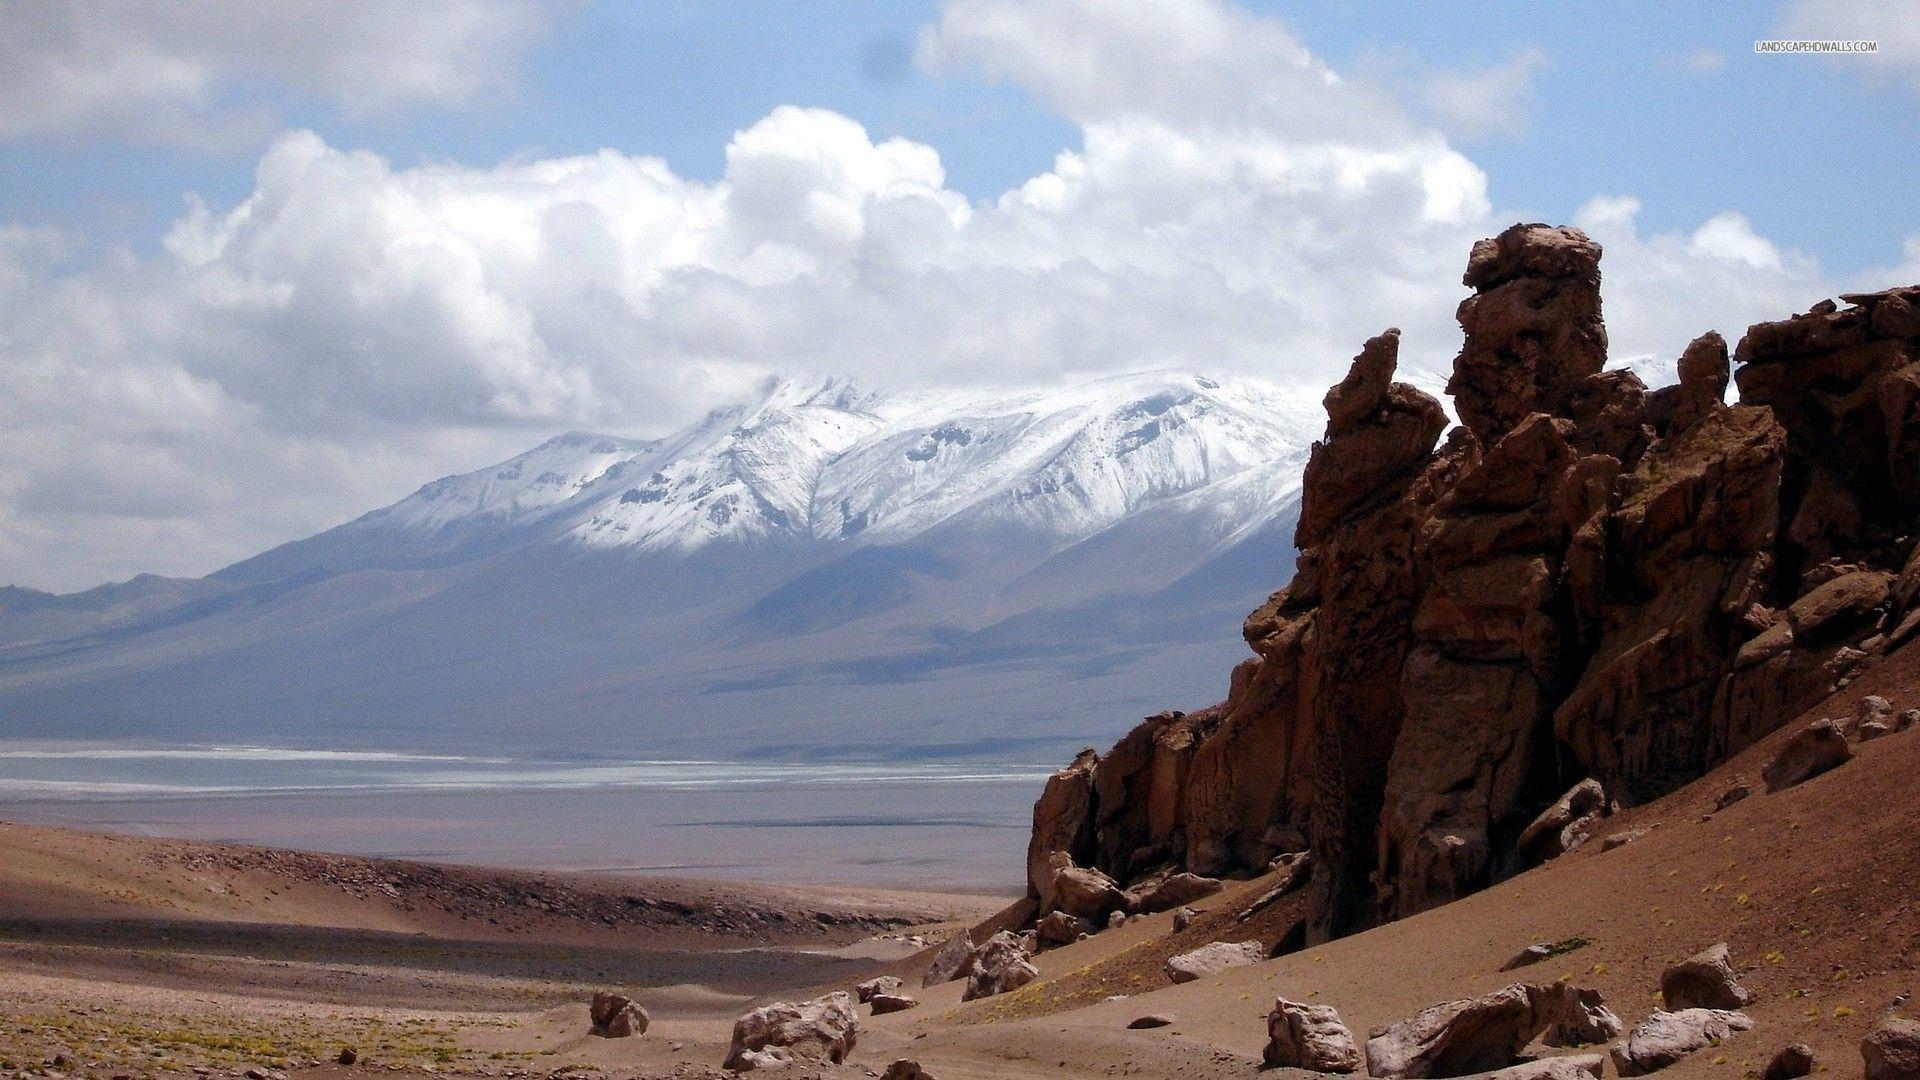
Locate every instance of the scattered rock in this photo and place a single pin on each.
(1532, 954)
(1621, 839)
(1665, 1037)
(1116, 920)
(347, 1055)
(1456, 1038)
(1172, 891)
(1544, 950)
(1790, 1063)
(1087, 893)
(1892, 1050)
(1000, 964)
(950, 962)
(1563, 826)
(1309, 1037)
(1294, 870)
(774, 1035)
(1060, 928)
(617, 1016)
(1213, 958)
(1740, 790)
(1151, 1020)
(1841, 600)
(1704, 980)
(879, 984)
(884, 1003)
(906, 1069)
(1183, 918)
(1877, 718)
(1818, 748)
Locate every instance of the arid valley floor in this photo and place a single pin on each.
(133, 957)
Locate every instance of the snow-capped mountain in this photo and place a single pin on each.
(825, 462)
(1054, 557)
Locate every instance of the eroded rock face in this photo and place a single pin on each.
(773, 1036)
(1585, 581)
(1665, 1037)
(1062, 825)
(1309, 1037)
(1704, 981)
(1459, 1038)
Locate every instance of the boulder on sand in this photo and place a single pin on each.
(879, 984)
(1060, 928)
(906, 1069)
(616, 1016)
(1213, 958)
(776, 1035)
(1565, 825)
(893, 1003)
(1892, 1050)
(1570, 1067)
(1815, 749)
(950, 962)
(1790, 1063)
(1703, 981)
(1000, 964)
(1309, 1037)
(1087, 893)
(1458, 1038)
(1666, 1037)
(1171, 892)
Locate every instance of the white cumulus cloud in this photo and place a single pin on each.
(165, 72)
(353, 328)
(1483, 102)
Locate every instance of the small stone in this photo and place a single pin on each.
(1703, 981)
(347, 1056)
(1789, 1063)
(1151, 1020)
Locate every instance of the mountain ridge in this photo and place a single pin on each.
(820, 550)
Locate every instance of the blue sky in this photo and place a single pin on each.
(1817, 156)
(267, 264)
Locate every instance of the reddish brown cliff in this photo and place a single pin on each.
(1585, 580)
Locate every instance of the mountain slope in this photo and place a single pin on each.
(968, 574)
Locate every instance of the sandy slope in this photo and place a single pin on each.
(1814, 888)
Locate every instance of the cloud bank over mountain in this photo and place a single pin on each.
(353, 326)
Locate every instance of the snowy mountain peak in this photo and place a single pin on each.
(825, 460)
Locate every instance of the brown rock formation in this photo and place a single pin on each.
(1583, 581)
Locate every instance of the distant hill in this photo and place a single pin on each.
(824, 570)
